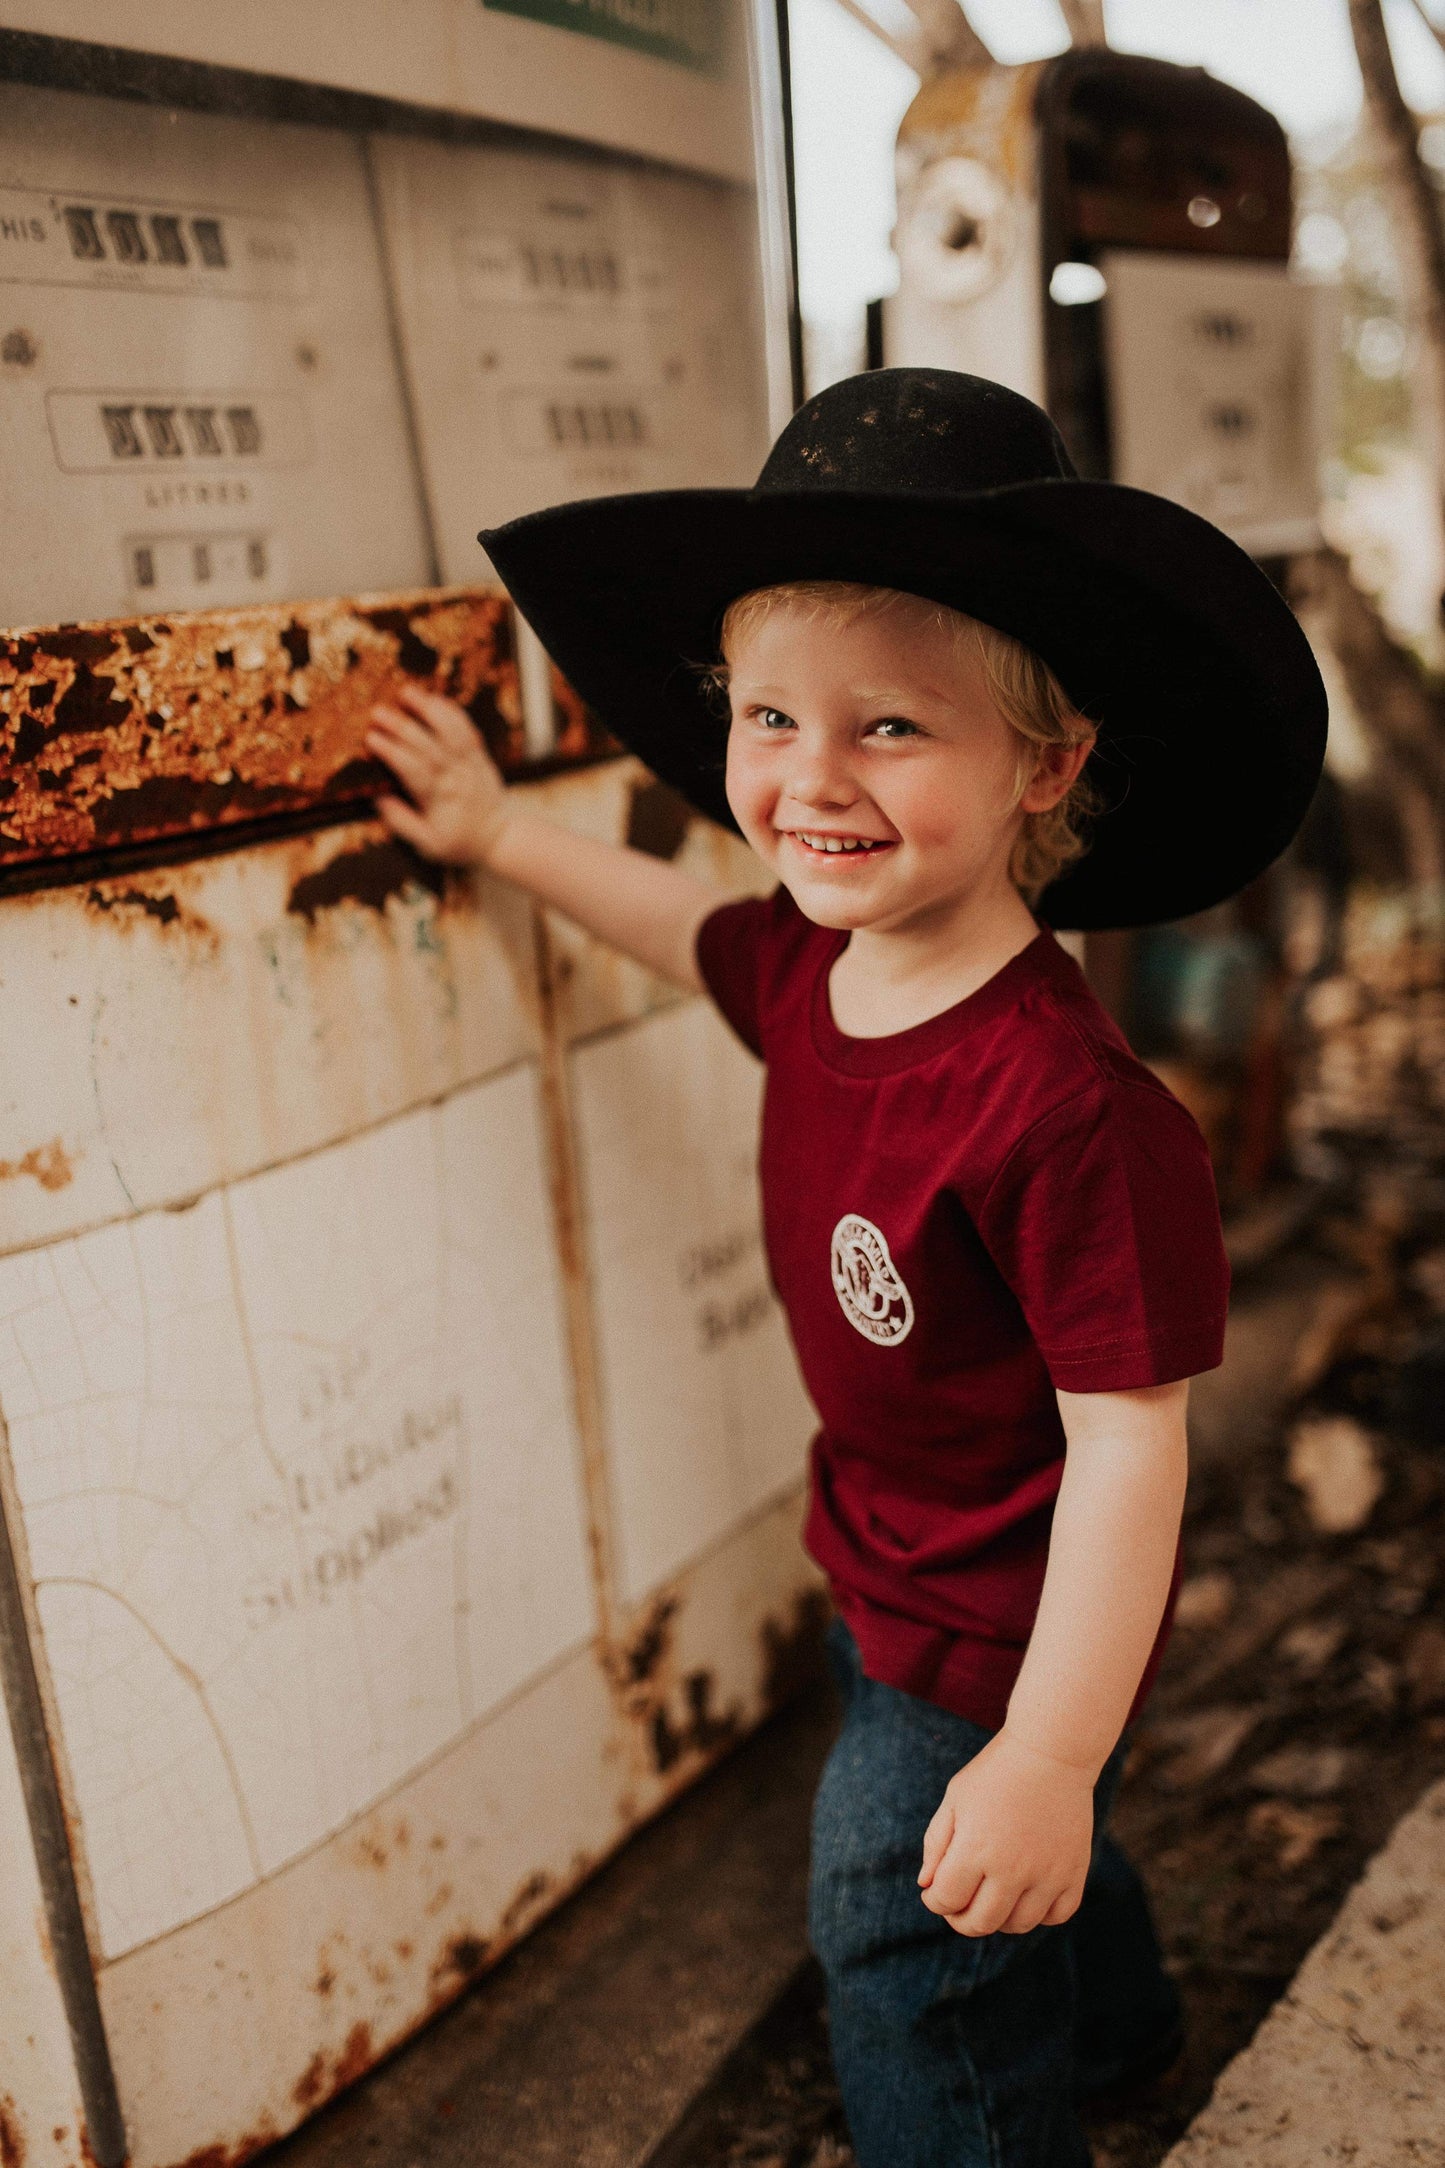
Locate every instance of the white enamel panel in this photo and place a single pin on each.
(1218, 375)
(704, 1412)
(571, 329)
(185, 1026)
(300, 1489)
(200, 399)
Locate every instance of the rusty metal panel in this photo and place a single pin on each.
(570, 329)
(276, 2001)
(704, 1415)
(201, 403)
(189, 1024)
(300, 1493)
(131, 735)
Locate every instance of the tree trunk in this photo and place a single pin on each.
(1415, 215)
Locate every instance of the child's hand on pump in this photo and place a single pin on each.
(463, 814)
(459, 799)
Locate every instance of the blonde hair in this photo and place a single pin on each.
(1021, 685)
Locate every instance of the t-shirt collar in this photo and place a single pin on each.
(898, 1050)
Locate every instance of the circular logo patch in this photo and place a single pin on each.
(874, 1299)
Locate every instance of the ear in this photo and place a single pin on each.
(1056, 770)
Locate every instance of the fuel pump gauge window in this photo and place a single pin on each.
(195, 343)
(567, 328)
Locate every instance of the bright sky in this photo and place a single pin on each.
(849, 94)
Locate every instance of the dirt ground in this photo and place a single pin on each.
(1301, 1711)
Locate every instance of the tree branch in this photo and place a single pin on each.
(1085, 20)
(949, 38)
(910, 50)
(1436, 30)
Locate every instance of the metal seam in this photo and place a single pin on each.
(74, 1965)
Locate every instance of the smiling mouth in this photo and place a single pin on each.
(818, 844)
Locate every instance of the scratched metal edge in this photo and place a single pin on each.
(217, 708)
(74, 1965)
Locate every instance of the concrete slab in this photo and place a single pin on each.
(1350, 2064)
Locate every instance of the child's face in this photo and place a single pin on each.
(878, 733)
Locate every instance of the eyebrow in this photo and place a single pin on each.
(889, 697)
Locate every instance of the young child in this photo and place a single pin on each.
(946, 661)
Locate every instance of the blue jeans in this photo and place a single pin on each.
(956, 2051)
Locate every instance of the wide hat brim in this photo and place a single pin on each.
(1211, 709)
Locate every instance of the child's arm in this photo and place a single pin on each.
(1009, 1846)
(464, 815)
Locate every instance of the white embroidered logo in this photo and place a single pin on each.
(874, 1299)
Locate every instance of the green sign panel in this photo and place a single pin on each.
(688, 32)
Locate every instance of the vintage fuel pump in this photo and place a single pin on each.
(400, 1448)
(1111, 235)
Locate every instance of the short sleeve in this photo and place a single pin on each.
(1104, 1222)
(730, 944)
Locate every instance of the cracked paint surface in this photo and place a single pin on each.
(147, 729)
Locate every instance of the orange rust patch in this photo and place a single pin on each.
(310, 2088)
(221, 2156)
(12, 2134)
(528, 1897)
(50, 1164)
(371, 1852)
(134, 730)
(356, 2058)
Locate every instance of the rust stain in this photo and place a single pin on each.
(533, 1892)
(135, 731)
(793, 1656)
(370, 1852)
(369, 876)
(324, 1981)
(461, 1959)
(404, 1951)
(220, 2155)
(643, 1676)
(638, 1657)
(701, 1731)
(13, 2147)
(50, 1164)
(310, 2088)
(321, 2079)
(355, 2059)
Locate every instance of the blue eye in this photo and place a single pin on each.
(774, 719)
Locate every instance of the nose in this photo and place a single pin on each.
(819, 777)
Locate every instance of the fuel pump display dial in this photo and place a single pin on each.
(205, 407)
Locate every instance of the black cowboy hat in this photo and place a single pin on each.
(1210, 708)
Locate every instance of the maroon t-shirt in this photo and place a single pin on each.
(960, 1218)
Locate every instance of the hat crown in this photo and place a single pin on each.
(904, 429)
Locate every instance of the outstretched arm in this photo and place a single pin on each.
(462, 813)
(1009, 1846)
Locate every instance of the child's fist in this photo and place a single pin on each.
(1009, 1848)
(460, 800)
